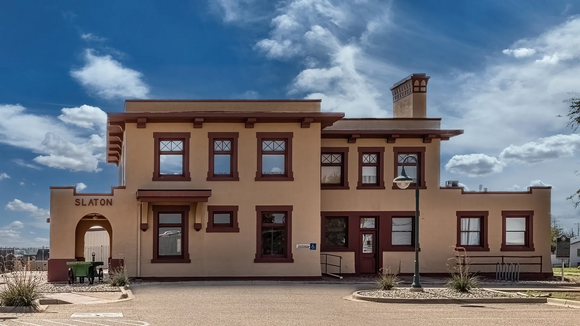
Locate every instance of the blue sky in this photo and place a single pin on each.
(500, 70)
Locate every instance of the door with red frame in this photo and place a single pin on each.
(368, 256)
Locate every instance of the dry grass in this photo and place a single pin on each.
(21, 289)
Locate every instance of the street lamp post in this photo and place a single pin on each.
(403, 181)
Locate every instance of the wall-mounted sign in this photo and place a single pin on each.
(313, 246)
(94, 202)
(303, 246)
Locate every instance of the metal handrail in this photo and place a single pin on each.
(326, 264)
(540, 263)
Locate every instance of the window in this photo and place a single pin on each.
(223, 156)
(578, 252)
(472, 230)
(371, 168)
(400, 160)
(274, 156)
(170, 243)
(171, 162)
(517, 231)
(334, 168)
(222, 219)
(274, 234)
(336, 232)
(402, 231)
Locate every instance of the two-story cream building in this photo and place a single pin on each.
(272, 188)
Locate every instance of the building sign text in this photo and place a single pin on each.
(94, 202)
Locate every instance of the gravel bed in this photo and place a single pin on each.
(67, 288)
(436, 293)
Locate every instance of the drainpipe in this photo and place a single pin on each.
(140, 211)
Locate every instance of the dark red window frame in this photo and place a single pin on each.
(214, 227)
(184, 257)
(388, 229)
(288, 256)
(420, 152)
(285, 136)
(171, 136)
(233, 138)
(529, 237)
(483, 234)
(380, 151)
(324, 246)
(344, 167)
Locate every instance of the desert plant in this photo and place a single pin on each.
(461, 279)
(22, 289)
(387, 280)
(120, 277)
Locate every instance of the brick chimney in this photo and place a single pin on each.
(410, 97)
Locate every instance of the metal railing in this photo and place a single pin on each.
(326, 264)
(502, 260)
(507, 272)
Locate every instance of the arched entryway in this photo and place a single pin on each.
(88, 223)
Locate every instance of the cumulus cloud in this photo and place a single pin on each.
(474, 165)
(107, 78)
(67, 155)
(520, 53)
(84, 116)
(92, 37)
(19, 206)
(463, 186)
(538, 183)
(547, 148)
(236, 10)
(80, 186)
(14, 226)
(3, 175)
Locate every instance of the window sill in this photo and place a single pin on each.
(170, 261)
(334, 187)
(273, 260)
(370, 187)
(274, 178)
(220, 230)
(517, 248)
(214, 178)
(171, 178)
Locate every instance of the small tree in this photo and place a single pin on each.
(574, 123)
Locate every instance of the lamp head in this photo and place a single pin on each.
(403, 181)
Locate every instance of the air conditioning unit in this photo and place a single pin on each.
(451, 183)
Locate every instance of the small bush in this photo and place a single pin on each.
(387, 280)
(120, 277)
(461, 279)
(22, 289)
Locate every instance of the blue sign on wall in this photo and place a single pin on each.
(313, 246)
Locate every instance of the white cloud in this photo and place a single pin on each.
(235, 10)
(107, 78)
(3, 175)
(75, 157)
(548, 148)
(251, 95)
(474, 165)
(92, 37)
(80, 186)
(538, 183)
(44, 240)
(8, 236)
(14, 226)
(465, 188)
(520, 53)
(514, 188)
(19, 206)
(22, 183)
(84, 116)
(21, 162)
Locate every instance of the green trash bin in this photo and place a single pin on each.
(82, 269)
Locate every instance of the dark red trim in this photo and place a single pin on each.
(58, 270)
(75, 193)
(288, 173)
(174, 195)
(344, 167)
(158, 137)
(274, 209)
(387, 231)
(380, 167)
(529, 215)
(232, 278)
(420, 151)
(211, 227)
(233, 138)
(483, 233)
(184, 257)
(323, 245)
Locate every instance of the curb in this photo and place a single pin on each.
(564, 303)
(21, 310)
(357, 296)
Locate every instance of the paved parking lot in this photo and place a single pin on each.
(286, 304)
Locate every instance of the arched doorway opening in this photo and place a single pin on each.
(93, 223)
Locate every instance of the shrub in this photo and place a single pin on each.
(22, 289)
(387, 280)
(120, 277)
(461, 279)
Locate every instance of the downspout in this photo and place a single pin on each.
(140, 208)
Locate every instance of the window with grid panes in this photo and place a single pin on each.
(370, 168)
(409, 164)
(332, 169)
(222, 157)
(274, 157)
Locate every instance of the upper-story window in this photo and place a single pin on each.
(371, 175)
(334, 168)
(413, 159)
(274, 156)
(223, 156)
(171, 161)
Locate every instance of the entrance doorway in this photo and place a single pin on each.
(87, 229)
(368, 253)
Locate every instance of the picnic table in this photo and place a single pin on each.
(82, 269)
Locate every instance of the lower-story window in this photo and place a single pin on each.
(472, 230)
(336, 232)
(402, 231)
(170, 241)
(274, 234)
(222, 219)
(517, 231)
